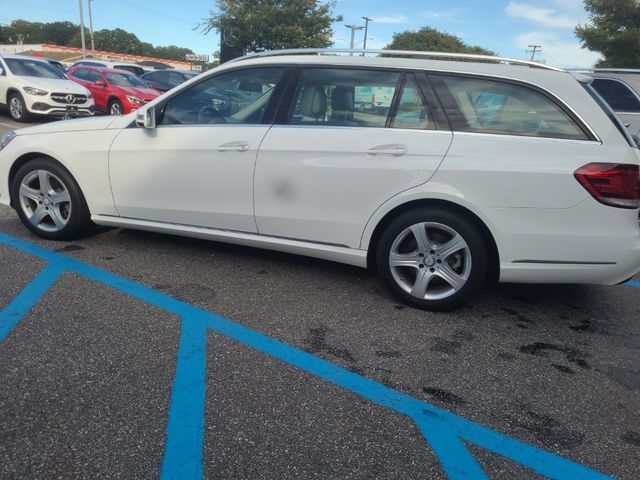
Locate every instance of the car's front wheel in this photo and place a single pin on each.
(115, 107)
(433, 259)
(17, 108)
(48, 201)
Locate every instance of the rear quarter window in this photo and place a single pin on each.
(493, 106)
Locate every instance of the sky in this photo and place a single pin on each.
(504, 26)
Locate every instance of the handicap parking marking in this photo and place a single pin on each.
(445, 432)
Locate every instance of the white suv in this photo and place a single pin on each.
(472, 169)
(31, 86)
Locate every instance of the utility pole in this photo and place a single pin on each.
(534, 50)
(84, 47)
(353, 33)
(366, 32)
(93, 45)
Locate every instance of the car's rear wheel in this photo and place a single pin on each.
(115, 107)
(432, 259)
(49, 202)
(17, 108)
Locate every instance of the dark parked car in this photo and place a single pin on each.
(58, 65)
(164, 80)
(621, 90)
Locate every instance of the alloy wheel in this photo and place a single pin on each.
(16, 108)
(430, 261)
(45, 200)
(115, 109)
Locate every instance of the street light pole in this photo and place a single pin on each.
(93, 45)
(366, 31)
(353, 33)
(84, 47)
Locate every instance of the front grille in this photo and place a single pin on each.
(68, 98)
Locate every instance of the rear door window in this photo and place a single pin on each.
(617, 94)
(344, 97)
(412, 111)
(493, 106)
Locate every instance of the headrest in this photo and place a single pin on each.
(342, 98)
(313, 102)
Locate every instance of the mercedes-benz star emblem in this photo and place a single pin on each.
(70, 98)
(229, 37)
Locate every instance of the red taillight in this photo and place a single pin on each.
(611, 184)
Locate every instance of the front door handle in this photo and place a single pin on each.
(233, 147)
(395, 150)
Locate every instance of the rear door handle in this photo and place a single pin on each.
(233, 147)
(393, 150)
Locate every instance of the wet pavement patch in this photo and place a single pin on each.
(542, 349)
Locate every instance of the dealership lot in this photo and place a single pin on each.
(89, 371)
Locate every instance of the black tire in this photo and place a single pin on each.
(469, 263)
(115, 104)
(23, 114)
(77, 221)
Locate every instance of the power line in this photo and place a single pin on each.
(173, 17)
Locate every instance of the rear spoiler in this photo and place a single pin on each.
(584, 79)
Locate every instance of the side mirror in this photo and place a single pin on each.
(2, 74)
(146, 118)
(100, 83)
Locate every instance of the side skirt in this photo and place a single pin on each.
(334, 253)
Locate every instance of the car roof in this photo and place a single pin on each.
(101, 69)
(24, 57)
(187, 72)
(544, 76)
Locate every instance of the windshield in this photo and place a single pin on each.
(124, 80)
(32, 68)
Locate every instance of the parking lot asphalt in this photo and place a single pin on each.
(101, 380)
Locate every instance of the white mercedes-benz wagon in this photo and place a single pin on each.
(438, 173)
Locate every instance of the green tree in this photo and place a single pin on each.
(58, 33)
(29, 32)
(613, 31)
(271, 24)
(171, 52)
(68, 34)
(429, 39)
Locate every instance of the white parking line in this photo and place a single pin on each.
(7, 125)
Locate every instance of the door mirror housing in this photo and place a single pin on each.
(2, 74)
(146, 118)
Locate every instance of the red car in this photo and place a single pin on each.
(114, 91)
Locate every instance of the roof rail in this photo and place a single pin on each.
(607, 70)
(396, 53)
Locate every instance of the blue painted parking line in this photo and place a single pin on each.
(444, 431)
(185, 428)
(25, 300)
(633, 284)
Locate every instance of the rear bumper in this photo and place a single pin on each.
(589, 243)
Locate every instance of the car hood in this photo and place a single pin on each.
(77, 125)
(54, 85)
(141, 93)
